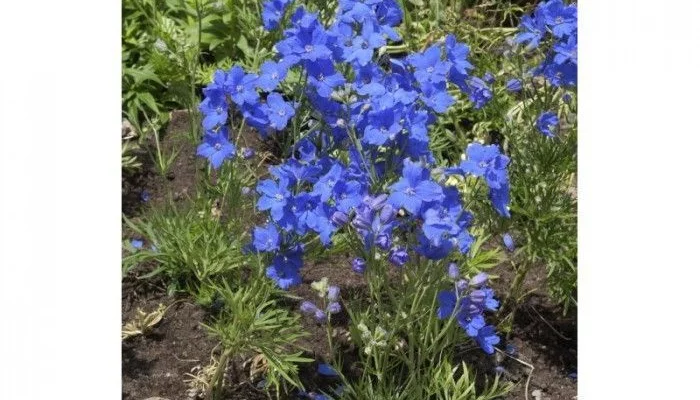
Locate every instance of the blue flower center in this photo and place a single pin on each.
(217, 146)
(219, 110)
(308, 48)
(410, 191)
(483, 164)
(281, 112)
(430, 69)
(275, 75)
(321, 78)
(365, 45)
(279, 197)
(239, 88)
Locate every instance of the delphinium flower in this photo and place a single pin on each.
(508, 242)
(326, 370)
(457, 54)
(214, 107)
(278, 111)
(331, 296)
(514, 85)
(247, 153)
(453, 271)
(414, 188)
(272, 13)
(467, 304)
(271, 74)
(266, 238)
(359, 265)
(547, 122)
(479, 92)
(532, 28)
(216, 147)
(556, 24)
(374, 221)
(398, 256)
(488, 163)
(273, 196)
(312, 309)
(241, 86)
(284, 270)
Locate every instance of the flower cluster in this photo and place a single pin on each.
(330, 296)
(559, 22)
(467, 304)
(365, 165)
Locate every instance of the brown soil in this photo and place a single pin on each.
(155, 365)
(543, 338)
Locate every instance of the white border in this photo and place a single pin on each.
(60, 200)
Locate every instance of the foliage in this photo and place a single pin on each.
(188, 246)
(251, 323)
(406, 138)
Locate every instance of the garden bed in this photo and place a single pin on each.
(157, 364)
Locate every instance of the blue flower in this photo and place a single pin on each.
(546, 122)
(428, 66)
(248, 153)
(266, 238)
(532, 29)
(560, 18)
(457, 54)
(364, 44)
(274, 197)
(436, 96)
(241, 86)
(398, 256)
(359, 265)
(271, 74)
(285, 267)
(447, 301)
(326, 370)
(272, 13)
(326, 184)
(414, 188)
(324, 77)
(216, 148)
(145, 196)
(215, 111)
(514, 85)
(383, 126)
(311, 309)
(566, 51)
(453, 271)
(487, 338)
(137, 244)
(479, 92)
(334, 308)
(508, 242)
(278, 111)
(307, 44)
(333, 293)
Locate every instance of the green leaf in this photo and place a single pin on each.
(143, 74)
(148, 99)
(243, 45)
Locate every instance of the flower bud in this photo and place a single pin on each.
(453, 271)
(359, 265)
